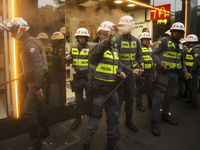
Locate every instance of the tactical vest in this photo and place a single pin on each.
(107, 68)
(148, 62)
(171, 56)
(128, 53)
(80, 61)
(48, 49)
(189, 59)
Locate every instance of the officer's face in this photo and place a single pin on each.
(82, 39)
(145, 41)
(177, 34)
(103, 35)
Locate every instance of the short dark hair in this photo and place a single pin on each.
(144, 29)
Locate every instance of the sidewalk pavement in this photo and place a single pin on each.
(185, 136)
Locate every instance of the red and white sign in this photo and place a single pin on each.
(160, 12)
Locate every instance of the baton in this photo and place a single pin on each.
(120, 83)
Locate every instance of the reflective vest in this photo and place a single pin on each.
(80, 60)
(48, 49)
(171, 56)
(148, 62)
(189, 59)
(128, 53)
(107, 68)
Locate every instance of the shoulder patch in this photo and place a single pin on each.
(196, 55)
(32, 49)
(156, 46)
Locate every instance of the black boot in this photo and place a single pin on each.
(44, 133)
(111, 145)
(167, 118)
(35, 143)
(76, 123)
(191, 106)
(130, 124)
(86, 146)
(154, 128)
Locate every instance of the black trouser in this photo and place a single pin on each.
(181, 82)
(193, 90)
(62, 85)
(80, 83)
(48, 85)
(34, 108)
(144, 86)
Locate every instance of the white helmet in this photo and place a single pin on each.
(182, 40)
(82, 32)
(57, 36)
(105, 26)
(127, 20)
(191, 38)
(42, 36)
(178, 26)
(20, 23)
(62, 30)
(145, 35)
(168, 32)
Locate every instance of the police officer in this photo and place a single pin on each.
(79, 58)
(43, 37)
(145, 85)
(192, 61)
(34, 68)
(167, 54)
(131, 56)
(102, 59)
(58, 59)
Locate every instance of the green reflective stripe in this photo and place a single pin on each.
(48, 49)
(108, 54)
(133, 55)
(189, 50)
(124, 56)
(147, 57)
(75, 62)
(147, 66)
(170, 54)
(189, 64)
(125, 44)
(144, 49)
(105, 80)
(172, 65)
(75, 51)
(105, 68)
(135, 65)
(84, 52)
(171, 44)
(83, 62)
(179, 66)
(190, 57)
(179, 56)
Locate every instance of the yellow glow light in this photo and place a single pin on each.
(118, 2)
(131, 5)
(141, 4)
(15, 66)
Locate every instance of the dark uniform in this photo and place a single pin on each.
(192, 60)
(131, 56)
(80, 64)
(104, 65)
(168, 52)
(34, 67)
(146, 85)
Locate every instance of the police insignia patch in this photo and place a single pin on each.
(196, 55)
(156, 46)
(32, 50)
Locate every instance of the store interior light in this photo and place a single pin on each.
(139, 3)
(131, 5)
(118, 2)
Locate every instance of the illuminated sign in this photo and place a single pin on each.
(160, 12)
(164, 21)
